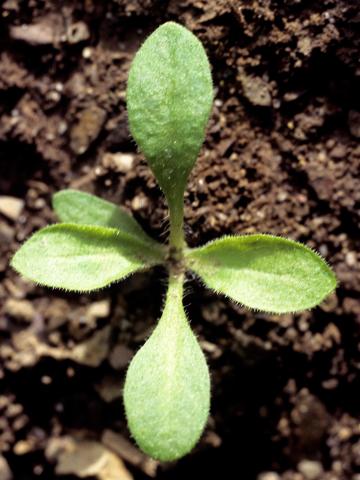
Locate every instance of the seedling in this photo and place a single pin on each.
(167, 387)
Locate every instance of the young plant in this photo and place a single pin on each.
(167, 387)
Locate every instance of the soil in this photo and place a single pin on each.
(281, 155)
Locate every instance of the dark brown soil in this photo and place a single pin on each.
(282, 155)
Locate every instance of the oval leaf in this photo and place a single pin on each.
(73, 206)
(81, 258)
(167, 387)
(263, 272)
(169, 98)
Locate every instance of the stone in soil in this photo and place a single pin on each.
(11, 207)
(22, 310)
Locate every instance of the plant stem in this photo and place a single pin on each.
(175, 287)
(177, 239)
(174, 298)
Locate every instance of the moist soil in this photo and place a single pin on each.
(281, 156)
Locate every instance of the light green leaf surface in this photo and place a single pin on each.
(169, 98)
(81, 258)
(73, 206)
(263, 272)
(167, 387)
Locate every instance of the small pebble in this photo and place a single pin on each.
(11, 207)
(62, 127)
(99, 309)
(87, 52)
(139, 202)
(344, 434)
(256, 90)
(46, 380)
(38, 469)
(78, 32)
(6, 233)
(23, 447)
(339, 151)
(282, 196)
(350, 259)
(5, 472)
(330, 384)
(42, 33)
(120, 162)
(310, 469)
(19, 309)
(86, 129)
(268, 476)
(323, 250)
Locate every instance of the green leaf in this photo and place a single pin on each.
(169, 98)
(81, 258)
(167, 387)
(73, 206)
(263, 272)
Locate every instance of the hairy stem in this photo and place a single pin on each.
(177, 239)
(175, 289)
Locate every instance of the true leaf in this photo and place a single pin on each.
(268, 273)
(81, 258)
(167, 387)
(169, 98)
(73, 206)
